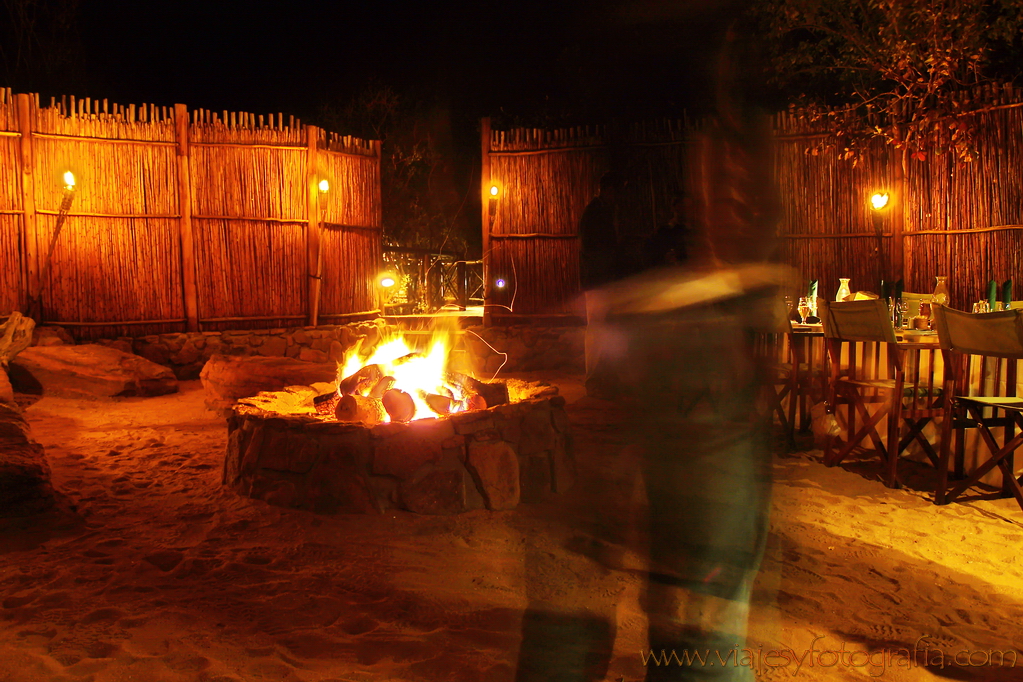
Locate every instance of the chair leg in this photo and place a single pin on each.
(891, 478)
(944, 454)
(1008, 490)
(832, 440)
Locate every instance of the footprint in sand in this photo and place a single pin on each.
(106, 615)
(186, 662)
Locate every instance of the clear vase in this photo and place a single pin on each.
(843, 289)
(940, 295)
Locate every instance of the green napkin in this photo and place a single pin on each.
(1007, 293)
(992, 294)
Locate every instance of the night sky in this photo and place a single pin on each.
(528, 62)
(525, 58)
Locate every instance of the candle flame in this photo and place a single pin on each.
(324, 186)
(69, 180)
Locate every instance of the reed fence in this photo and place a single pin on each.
(544, 180)
(183, 220)
(963, 220)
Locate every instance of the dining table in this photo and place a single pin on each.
(924, 366)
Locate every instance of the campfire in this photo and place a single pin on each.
(401, 429)
(397, 384)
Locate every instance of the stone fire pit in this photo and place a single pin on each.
(281, 451)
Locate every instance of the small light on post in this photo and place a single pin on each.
(387, 281)
(492, 204)
(35, 306)
(879, 200)
(500, 283)
(324, 186)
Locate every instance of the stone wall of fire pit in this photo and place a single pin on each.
(491, 458)
(186, 353)
(522, 347)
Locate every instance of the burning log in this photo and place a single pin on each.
(476, 402)
(382, 387)
(326, 403)
(492, 394)
(407, 358)
(441, 404)
(361, 380)
(399, 405)
(358, 408)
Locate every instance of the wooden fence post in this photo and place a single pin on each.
(461, 287)
(313, 228)
(378, 219)
(484, 196)
(899, 222)
(29, 231)
(188, 274)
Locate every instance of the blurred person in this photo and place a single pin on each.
(679, 343)
(600, 263)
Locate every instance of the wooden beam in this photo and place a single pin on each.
(378, 150)
(899, 216)
(187, 242)
(485, 203)
(29, 225)
(313, 229)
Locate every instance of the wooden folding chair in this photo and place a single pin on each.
(982, 351)
(858, 378)
(773, 351)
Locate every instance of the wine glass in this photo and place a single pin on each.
(804, 308)
(981, 307)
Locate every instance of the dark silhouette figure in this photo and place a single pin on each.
(599, 256)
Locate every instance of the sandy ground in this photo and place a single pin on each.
(155, 573)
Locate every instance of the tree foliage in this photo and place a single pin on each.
(40, 49)
(894, 69)
(421, 206)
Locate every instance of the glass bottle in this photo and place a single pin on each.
(940, 295)
(843, 288)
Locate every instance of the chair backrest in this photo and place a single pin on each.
(858, 321)
(998, 334)
(913, 301)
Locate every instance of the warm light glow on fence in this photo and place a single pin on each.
(324, 186)
(69, 180)
(878, 201)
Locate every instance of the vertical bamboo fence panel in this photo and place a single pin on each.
(181, 220)
(13, 287)
(545, 179)
(352, 219)
(964, 220)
